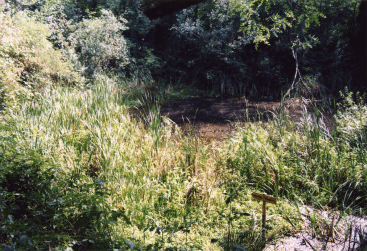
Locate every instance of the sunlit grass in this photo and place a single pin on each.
(301, 159)
(172, 187)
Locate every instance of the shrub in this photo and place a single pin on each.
(27, 58)
(25, 187)
(99, 42)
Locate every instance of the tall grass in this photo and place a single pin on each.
(155, 178)
(322, 162)
(131, 184)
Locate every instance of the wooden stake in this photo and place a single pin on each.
(264, 218)
(264, 198)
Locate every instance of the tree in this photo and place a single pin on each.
(209, 47)
(294, 20)
(100, 43)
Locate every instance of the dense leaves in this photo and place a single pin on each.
(77, 171)
(252, 47)
(99, 42)
(27, 58)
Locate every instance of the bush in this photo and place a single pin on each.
(27, 58)
(42, 207)
(26, 180)
(99, 43)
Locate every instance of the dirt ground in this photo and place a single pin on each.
(212, 118)
(332, 234)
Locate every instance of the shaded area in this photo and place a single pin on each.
(157, 8)
(215, 118)
(214, 110)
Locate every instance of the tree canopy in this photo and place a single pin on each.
(252, 47)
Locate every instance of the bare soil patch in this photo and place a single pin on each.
(214, 118)
(328, 233)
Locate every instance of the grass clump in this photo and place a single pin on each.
(351, 122)
(113, 163)
(308, 161)
(118, 183)
(98, 178)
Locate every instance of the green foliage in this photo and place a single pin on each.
(28, 59)
(212, 49)
(211, 46)
(351, 121)
(300, 28)
(99, 42)
(25, 188)
(146, 58)
(270, 18)
(78, 171)
(307, 160)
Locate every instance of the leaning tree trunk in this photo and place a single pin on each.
(157, 8)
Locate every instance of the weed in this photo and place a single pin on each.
(115, 174)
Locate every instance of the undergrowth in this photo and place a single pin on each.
(79, 172)
(114, 181)
(319, 160)
(94, 177)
